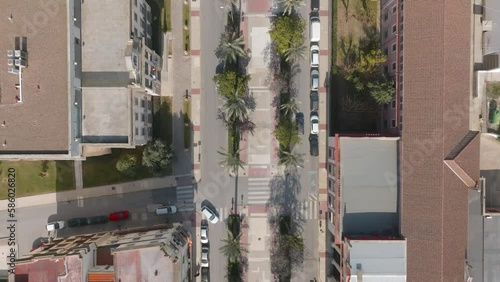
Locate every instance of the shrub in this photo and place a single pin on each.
(157, 156)
(127, 164)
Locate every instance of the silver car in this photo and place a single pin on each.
(204, 256)
(204, 234)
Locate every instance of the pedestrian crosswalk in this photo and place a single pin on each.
(307, 210)
(223, 213)
(258, 190)
(185, 196)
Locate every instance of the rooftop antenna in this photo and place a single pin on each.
(11, 17)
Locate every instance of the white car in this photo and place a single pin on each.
(314, 55)
(56, 225)
(204, 256)
(314, 123)
(204, 234)
(314, 80)
(209, 214)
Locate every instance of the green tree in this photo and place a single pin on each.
(382, 90)
(287, 133)
(295, 52)
(291, 6)
(231, 161)
(290, 107)
(290, 159)
(236, 109)
(493, 88)
(287, 31)
(157, 156)
(231, 47)
(127, 164)
(232, 248)
(229, 82)
(234, 271)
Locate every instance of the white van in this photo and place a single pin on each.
(315, 29)
(166, 210)
(52, 226)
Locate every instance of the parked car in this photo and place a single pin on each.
(205, 274)
(314, 55)
(314, 123)
(100, 219)
(314, 80)
(79, 221)
(315, 29)
(313, 145)
(211, 216)
(204, 234)
(204, 256)
(166, 210)
(56, 225)
(314, 100)
(299, 117)
(117, 216)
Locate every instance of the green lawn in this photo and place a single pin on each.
(186, 110)
(30, 179)
(162, 118)
(99, 171)
(185, 18)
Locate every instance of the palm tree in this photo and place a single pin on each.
(232, 248)
(290, 159)
(293, 241)
(290, 107)
(291, 5)
(236, 109)
(295, 52)
(231, 161)
(231, 46)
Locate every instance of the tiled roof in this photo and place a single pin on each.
(437, 75)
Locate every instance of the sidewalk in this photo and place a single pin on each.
(195, 38)
(108, 190)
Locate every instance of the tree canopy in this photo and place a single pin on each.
(287, 31)
(157, 156)
(127, 165)
(382, 90)
(230, 82)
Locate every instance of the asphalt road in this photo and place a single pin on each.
(31, 221)
(215, 186)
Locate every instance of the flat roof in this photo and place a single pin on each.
(106, 115)
(146, 264)
(41, 123)
(379, 261)
(369, 185)
(437, 93)
(106, 27)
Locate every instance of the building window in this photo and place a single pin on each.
(402, 26)
(393, 123)
(150, 105)
(385, 124)
(330, 184)
(142, 104)
(135, 32)
(135, 17)
(135, 2)
(386, 16)
(393, 28)
(136, 116)
(142, 117)
(400, 119)
(386, 69)
(394, 9)
(330, 168)
(143, 131)
(136, 131)
(136, 101)
(386, 51)
(402, 6)
(393, 104)
(386, 33)
(394, 66)
(330, 215)
(400, 106)
(393, 47)
(150, 118)
(330, 202)
(330, 153)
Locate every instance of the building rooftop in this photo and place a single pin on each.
(491, 39)
(440, 156)
(369, 185)
(377, 261)
(106, 115)
(39, 124)
(42, 270)
(107, 41)
(147, 264)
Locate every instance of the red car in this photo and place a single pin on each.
(117, 216)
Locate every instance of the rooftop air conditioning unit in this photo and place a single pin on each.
(10, 53)
(10, 62)
(20, 54)
(13, 71)
(20, 62)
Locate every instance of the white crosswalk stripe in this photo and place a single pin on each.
(185, 196)
(258, 190)
(223, 213)
(308, 210)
